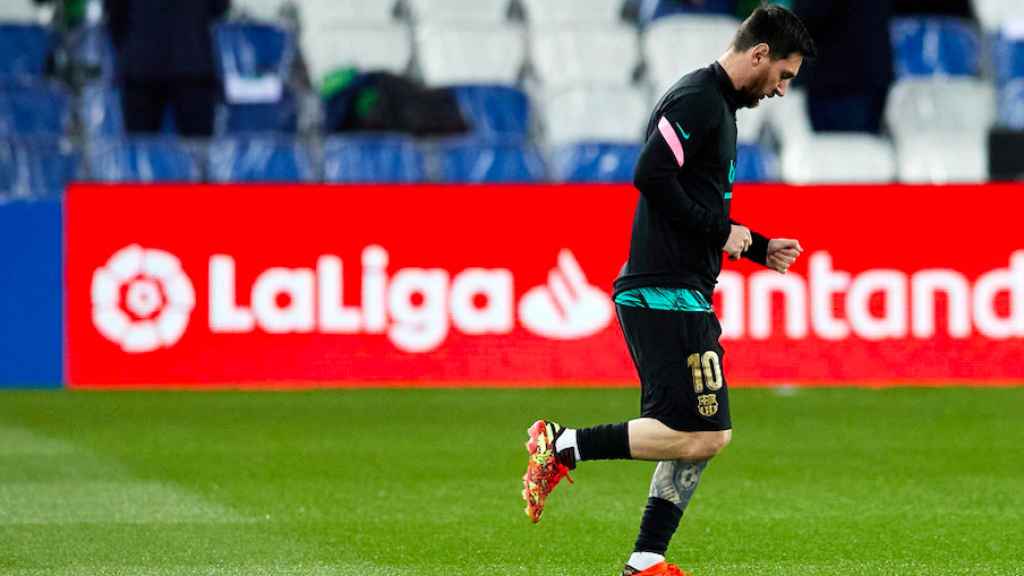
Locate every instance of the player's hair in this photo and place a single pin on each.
(777, 27)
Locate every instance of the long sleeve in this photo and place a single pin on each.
(758, 251)
(679, 133)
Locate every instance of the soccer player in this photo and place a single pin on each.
(681, 229)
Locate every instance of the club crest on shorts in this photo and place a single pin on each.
(707, 405)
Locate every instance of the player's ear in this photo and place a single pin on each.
(760, 54)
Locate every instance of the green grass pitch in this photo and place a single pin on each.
(392, 482)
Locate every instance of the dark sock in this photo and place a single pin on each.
(604, 442)
(661, 518)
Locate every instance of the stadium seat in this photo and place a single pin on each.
(1011, 104)
(448, 11)
(838, 158)
(343, 13)
(595, 162)
(92, 53)
(367, 48)
(372, 159)
(36, 167)
(606, 115)
(479, 162)
(935, 46)
(471, 54)
(281, 116)
(994, 14)
(100, 111)
(159, 159)
(254, 60)
(36, 108)
(565, 56)
(943, 157)
(1008, 53)
(258, 159)
(755, 163)
(677, 45)
(24, 49)
(940, 103)
(262, 10)
(751, 121)
(494, 110)
(576, 12)
(651, 10)
(788, 117)
(23, 11)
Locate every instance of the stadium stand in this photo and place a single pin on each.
(750, 123)
(838, 159)
(254, 61)
(24, 50)
(994, 14)
(596, 114)
(787, 118)
(494, 110)
(470, 161)
(940, 157)
(373, 159)
(935, 46)
(486, 54)
(18, 11)
(34, 108)
(258, 159)
(1008, 62)
(263, 10)
(566, 55)
(341, 13)
(458, 11)
(755, 163)
(676, 45)
(39, 167)
(654, 9)
(576, 12)
(372, 47)
(157, 159)
(594, 162)
(940, 103)
(91, 53)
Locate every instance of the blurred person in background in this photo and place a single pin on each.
(848, 92)
(166, 59)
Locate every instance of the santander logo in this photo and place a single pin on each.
(141, 299)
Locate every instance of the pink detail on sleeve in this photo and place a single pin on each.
(672, 139)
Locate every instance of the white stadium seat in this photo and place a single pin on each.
(677, 45)
(18, 11)
(599, 114)
(269, 10)
(943, 157)
(573, 11)
(940, 103)
(478, 54)
(564, 56)
(379, 47)
(994, 14)
(448, 11)
(788, 118)
(326, 13)
(838, 158)
(750, 122)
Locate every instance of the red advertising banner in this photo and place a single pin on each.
(510, 285)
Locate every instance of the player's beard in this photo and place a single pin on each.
(750, 98)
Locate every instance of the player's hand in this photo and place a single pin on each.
(782, 252)
(739, 241)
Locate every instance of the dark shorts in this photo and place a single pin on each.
(679, 360)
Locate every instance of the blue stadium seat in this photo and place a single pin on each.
(1010, 101)
(281, 116)
(756, 164)
(254, 60)
(1008, 58)
(595, 162)
(494, 110)
(35, 108)
(935, 46)
(158, 159)
(481, 162)
(258, 159)
(92, 53)
(253, 49)
(24, 49)
(654, 9)
(99, 108)
(368, 159)
(36, 167)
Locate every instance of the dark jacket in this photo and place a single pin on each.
(854, 47)
(164, 39)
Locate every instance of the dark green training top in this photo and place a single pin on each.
(685, 175)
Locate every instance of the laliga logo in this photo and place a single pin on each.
(141, 299)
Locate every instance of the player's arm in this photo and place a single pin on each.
(680, 132)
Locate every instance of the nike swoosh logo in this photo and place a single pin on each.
(684, 133)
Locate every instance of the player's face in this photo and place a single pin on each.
(774, 78)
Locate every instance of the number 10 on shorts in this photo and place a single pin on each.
(707, 371)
